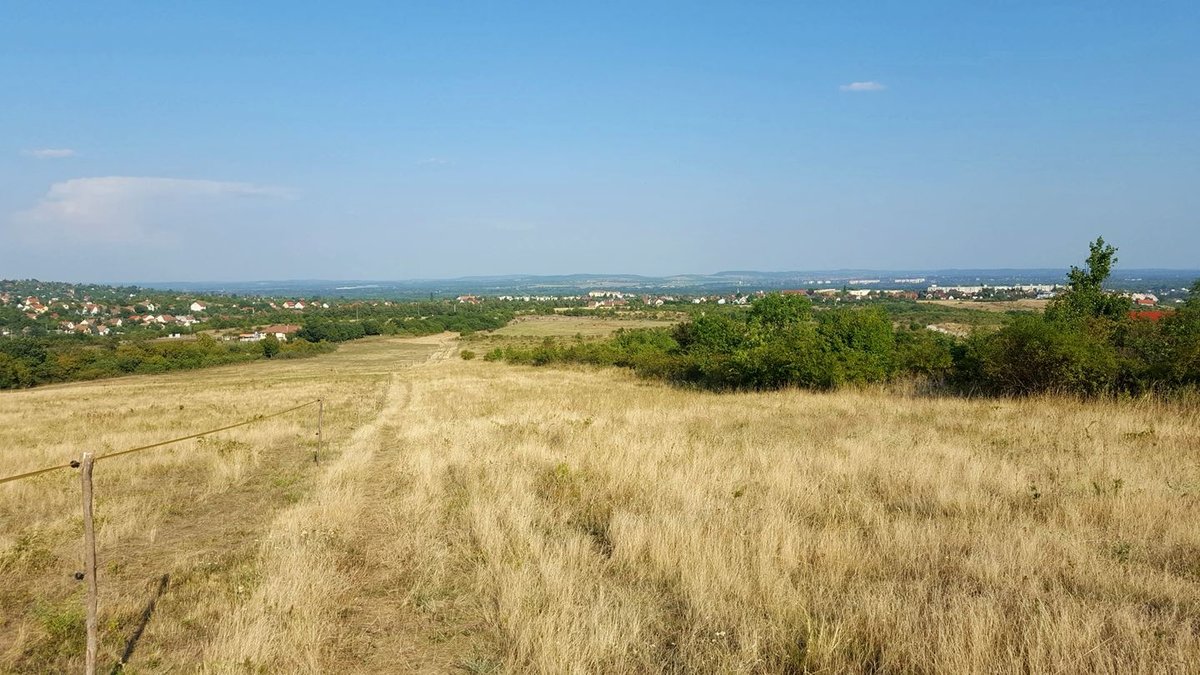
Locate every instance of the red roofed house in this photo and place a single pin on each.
(1151, 315)
(281, 331)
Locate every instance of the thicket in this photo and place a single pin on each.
(1086, 343)
(409, 319)
(28, 361)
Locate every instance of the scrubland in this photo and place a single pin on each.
(482, 517)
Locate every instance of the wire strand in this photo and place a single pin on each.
(160, 444)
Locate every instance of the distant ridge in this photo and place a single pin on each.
(719, 282)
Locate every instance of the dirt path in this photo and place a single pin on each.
(384, 621)
(311, 606)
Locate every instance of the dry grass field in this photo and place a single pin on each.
(480, 517)
(568, 326)
(1024, 305)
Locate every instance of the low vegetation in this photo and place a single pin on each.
(408, 319)
(29, 361)
(46, 358)
(1086, 343)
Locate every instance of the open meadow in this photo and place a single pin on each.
(568, 326)
(481, 517)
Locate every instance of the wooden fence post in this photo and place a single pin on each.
(89, 565)
(320, 421)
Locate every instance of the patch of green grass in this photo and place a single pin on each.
(64, 632)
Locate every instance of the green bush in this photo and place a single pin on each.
(270, 346)
(776, 344)
(860, 343)
(1033, 354)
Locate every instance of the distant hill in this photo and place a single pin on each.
(719, 282)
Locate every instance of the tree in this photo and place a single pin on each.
(778, 311)
(14, 373)
(207, 344)
(1184, 331)
(1085, 297)
(711, 333)
(270, 346)
(861, 344)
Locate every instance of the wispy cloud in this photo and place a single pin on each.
(863, 86)
(49, 153)
(435, 161)
(128, 208)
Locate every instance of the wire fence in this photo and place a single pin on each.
(89, 539)
(75, 463)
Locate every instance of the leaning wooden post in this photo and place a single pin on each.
(320, 420)
(89, 565)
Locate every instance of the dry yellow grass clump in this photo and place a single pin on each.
(488, 518)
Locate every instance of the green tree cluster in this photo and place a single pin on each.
(1087, 343)
(28, 361)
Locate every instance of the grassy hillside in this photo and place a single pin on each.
(481, 517)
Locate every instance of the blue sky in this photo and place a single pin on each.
(236, 141)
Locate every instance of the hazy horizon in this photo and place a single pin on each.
(249, 142)
(1120, 271)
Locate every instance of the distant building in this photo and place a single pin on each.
(281, 331)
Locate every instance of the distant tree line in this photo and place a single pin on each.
(409, 319)
(30, 361)
(1086, 343)
(27, 361)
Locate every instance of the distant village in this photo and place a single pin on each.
(853, 290)
(67, 310)
(29, 307)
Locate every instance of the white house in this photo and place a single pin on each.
(198, 306)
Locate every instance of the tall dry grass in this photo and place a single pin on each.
(191, 513)
(488, 518)
(522, 520)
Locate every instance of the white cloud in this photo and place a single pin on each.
(435, 161)
(130, 208)
(49, 153)
(863, 86)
